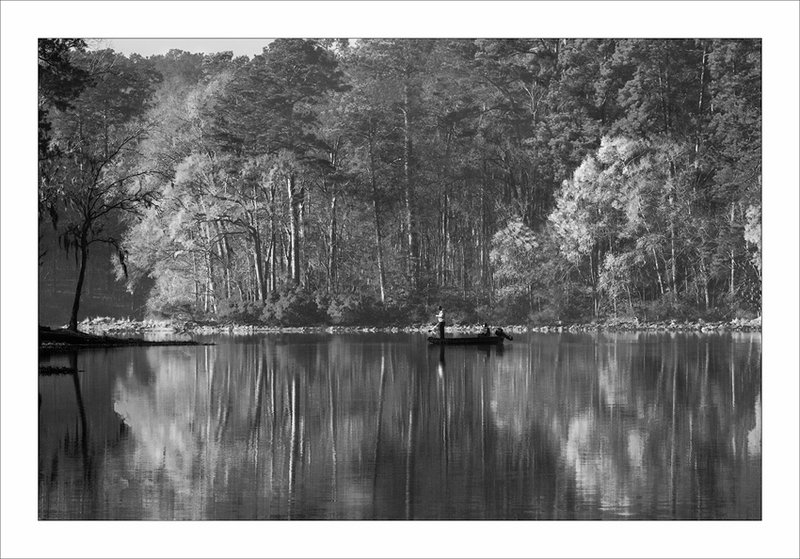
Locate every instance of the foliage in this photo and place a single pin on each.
(512, 256)
(357, 309)
(292, 306)
(615, 277)
(510, 180)
(752, 234)
(239, 312)
(60, 82)
(171, 297)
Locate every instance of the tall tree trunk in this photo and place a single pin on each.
(259, 265)
(272, 240)
(294, 229)
(271, 261)
(733, 255)
(593, 264)
(378, 239)
(464, 279)
(413, 244)
(332, 239)
(658, 271)
(223, 251)
(301, 236)
(700, 103)
(211, 288)
(286, 255)
(673, 263)
(445, 236)
(258, 248)
(76, 303)
(196, 276)
(332, 247)
(482, 238)
(445, 233)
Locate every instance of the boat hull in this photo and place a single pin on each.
(474, 340)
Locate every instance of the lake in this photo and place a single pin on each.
(382, 426)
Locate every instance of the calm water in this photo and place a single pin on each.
(380, 426)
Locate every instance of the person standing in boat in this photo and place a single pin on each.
(440, 319)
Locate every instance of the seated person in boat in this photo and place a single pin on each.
(440, 319)
(486, 331)
(500, 333)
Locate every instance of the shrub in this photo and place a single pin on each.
(510, 310)
(241, 312)
(355, 309)
(178, 311)
(160, 309)
(745, 314)
(546, 316)
(251, 311)
(667, 307)
(394, 313)
(343, 310)
(292, 306)
(170, 297)
(406, 306)
(464, 314)
(228, 310)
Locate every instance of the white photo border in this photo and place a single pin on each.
(775, 536)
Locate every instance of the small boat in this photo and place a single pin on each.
(471, 340)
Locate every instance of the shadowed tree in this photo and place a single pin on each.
(60, 82)
(97, 169)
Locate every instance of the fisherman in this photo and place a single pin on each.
(440, 319)
(486, 331)
(500, 333)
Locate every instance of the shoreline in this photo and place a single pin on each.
(61, 340)
(108, 326)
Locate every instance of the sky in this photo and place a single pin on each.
(148, 47)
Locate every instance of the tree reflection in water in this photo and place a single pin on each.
(560, 426)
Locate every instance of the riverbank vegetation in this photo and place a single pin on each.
(531, 181)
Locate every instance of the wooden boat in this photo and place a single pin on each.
(471, 340)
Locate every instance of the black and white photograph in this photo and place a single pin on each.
(358, 277)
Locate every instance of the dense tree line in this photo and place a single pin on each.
(354, 182)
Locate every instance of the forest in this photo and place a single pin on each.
(365, 182)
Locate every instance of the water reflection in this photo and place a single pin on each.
(560, 426)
